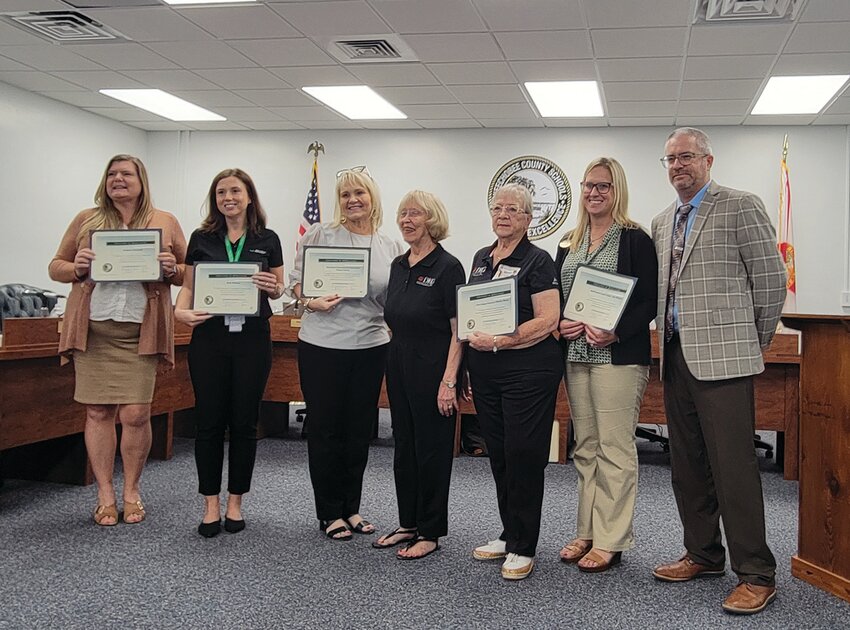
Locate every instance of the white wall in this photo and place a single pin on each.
(53, 156)
(457, 165)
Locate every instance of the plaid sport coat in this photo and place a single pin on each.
(731, 285)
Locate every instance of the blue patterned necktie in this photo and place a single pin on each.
(675, 265)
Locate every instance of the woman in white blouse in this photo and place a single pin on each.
(342, 349)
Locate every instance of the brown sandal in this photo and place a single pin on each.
(134, 508)
(601, 563)
(575, 550)
(103, 512)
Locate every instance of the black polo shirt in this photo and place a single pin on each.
(421, 299)
(263, 248)
(533, 267)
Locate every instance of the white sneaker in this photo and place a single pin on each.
(493, 550)
(517, 567)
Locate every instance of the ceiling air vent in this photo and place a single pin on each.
(63, 26)
(371, 49)
(714, 11)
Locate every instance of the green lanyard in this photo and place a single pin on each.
(230, 255)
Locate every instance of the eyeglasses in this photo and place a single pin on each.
(601, 187)
(684, 159)
(354, 169)
(511, 210)
(413, 213)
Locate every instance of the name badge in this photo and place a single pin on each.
(506, 271)
(425, 281)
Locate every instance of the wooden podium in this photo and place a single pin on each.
(823, 545)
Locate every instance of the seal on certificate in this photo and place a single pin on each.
(317, 283)
(550, 191)
(107, 267)
(579, 307)
(208, 299)
(470, 324)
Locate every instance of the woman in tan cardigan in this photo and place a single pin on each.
(118, 333)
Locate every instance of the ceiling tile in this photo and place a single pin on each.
(619, 14)
(81, 99)
(271, 125)
(434, 16)
(642, 108)
(545, 45)
(454, 46)
(506, 123)
(338, 123)
(396, 74)
(37, 81)
(714, 108)
(510, 15)
(149, 24)
(417, 95)
(124, 114)
(352, 17)
(468, 123)
(283, 52)
(240, 22)
(243, 78)
(299, 114)
(664, 121)
(390, 124)
(122, 56)
(194, 55)
(11, 35)
(733, 67)
(825, 11)
(288, 97)
(101, 79)
(780, 120)
(720, 89)
(316, 75)
(819, 37)
(737, 39)
(213, 125)
(582, 70)
(638, 42)
(832, 119)
(32, 5)
(48, 57)
(653, 69)
(575, 122)
(436, 111)
(706, 121)
(10, 64)
(507, 93)
(840, 106)
(640, 90)
(163, 125)
(172, 79)
(814, 63)
(466, 73)
(501, 110)
(246, 113)
(214, 98)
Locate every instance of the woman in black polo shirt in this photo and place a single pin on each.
(607, 370)
(515, 380)
(229, 357)
(422, 366)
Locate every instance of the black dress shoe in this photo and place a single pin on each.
(232, 526)
(208, 530)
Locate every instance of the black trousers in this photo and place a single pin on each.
(515, 393)
(341, 389)
(424, 438)
(714, 468)
(229, 373)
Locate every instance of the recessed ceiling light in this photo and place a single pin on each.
(201, 2)
(798, 95)
(566, 99)
(357, 102)
(163, 104)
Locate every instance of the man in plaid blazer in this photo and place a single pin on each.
(721, 290)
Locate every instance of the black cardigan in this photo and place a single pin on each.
(636, 257)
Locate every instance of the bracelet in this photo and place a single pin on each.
(495, 347)
(449, 384)
(306, 305)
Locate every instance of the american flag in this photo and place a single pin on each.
(311, 207)
(786, 235)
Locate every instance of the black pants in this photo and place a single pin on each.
(424, 438)
(229, 373)
(715, 470)
(515, 393)
(341, 389)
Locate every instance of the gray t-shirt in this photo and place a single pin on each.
(355, 323)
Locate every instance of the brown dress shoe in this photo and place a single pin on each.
(748, 599)
(685, 569)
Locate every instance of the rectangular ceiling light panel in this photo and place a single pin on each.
(163, 104)
(798, 95)
(357, 102)
(566, 99)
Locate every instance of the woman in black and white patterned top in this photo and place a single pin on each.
(607, 370)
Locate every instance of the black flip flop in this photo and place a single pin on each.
(398, 531)
(360, 527)
(332, 534)
(424, 555)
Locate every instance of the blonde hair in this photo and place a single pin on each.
(619, 209)
(362, 179)
(106, 216)
(436, 217)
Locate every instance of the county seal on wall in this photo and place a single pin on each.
(549, 188)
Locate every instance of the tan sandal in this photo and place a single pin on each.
(575, 550)
(103, 512)
(134, 509)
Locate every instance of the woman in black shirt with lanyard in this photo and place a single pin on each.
(229, 357)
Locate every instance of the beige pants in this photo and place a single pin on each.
(605, 405)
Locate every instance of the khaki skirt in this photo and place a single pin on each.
(111, 371)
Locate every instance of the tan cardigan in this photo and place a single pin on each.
(157, 332)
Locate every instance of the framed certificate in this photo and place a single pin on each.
(341, 270)
(226, 288)
(598, 298)
(126, 255)
(488, 307)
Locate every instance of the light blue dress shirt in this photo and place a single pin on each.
(695, 204)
